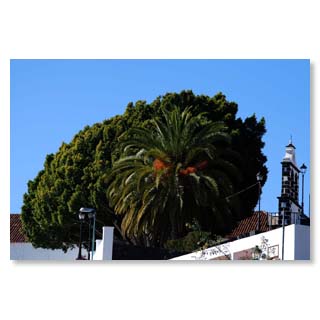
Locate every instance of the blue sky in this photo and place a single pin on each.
(51, 100)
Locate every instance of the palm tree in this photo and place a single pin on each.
(169, 174)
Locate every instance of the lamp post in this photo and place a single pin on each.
(303, 170)
(91, 214)
(259, 179)
(81, 218)
(283, 205)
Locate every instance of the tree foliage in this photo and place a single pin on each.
(77, 175)
(170, 174)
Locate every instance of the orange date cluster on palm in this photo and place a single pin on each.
(160, 165)
(187, 171)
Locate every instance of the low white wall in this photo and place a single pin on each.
(25, 251)
(302, 242)
(296, 246)
(104, 247)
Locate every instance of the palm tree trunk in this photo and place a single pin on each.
(174, 226)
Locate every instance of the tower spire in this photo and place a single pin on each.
(288, 200)
(290, 155)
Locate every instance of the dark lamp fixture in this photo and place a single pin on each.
(283, 205)
(81, 216)
(303, 168)
(259, 177)
(91, 215)
(83, 212)
(87, 210)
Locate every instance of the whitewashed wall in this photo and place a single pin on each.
(104, 247)
(302, 242)
(25, 251)
(296, 245)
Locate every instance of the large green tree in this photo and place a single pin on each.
(77, 174)
(177, 170)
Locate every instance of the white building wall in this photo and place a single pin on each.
(296, 245)
(289, 247)
(104, 247)
(302, 242)
(25, 251)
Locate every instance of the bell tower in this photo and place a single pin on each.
(289, 199)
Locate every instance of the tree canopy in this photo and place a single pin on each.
(170, 174)
(79, 174)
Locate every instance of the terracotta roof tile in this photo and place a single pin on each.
(249, 224)
(16, 234)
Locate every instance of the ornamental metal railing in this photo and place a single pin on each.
(274, 219)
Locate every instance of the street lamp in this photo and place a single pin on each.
(259, 179)
(81, 218)
(283, 206)
(303, 170)
(91, 214)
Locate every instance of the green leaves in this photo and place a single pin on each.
(180, 129)
(152, 181)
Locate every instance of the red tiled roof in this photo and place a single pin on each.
(249, 224)
(244, 227)
(16, 234)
